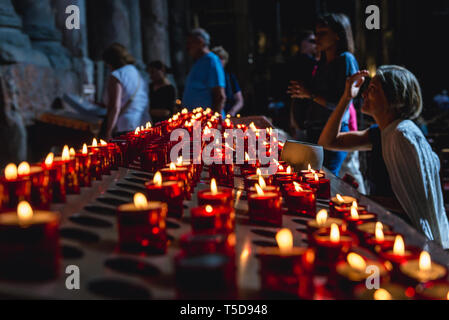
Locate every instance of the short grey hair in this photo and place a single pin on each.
(221, 53)
(201, 34)
(402, 90)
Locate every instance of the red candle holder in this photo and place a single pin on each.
(29, 246)
(223, 173)
(56, 173)
(221, 197)
(251, 180)
(377, 245)
(341, 201)
(15, 189)
(329, 252)
(348, 276)
(288, 272)
(361, 218)
(193, 244)
(70, 175)
(142, 228)
(301, 202)
(342, 212)
(169, 192)
(323, 187)
(84, 170)
(265, 208)
(41, 193)
(179, 174)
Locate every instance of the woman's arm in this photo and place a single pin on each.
(238, 105)
(331, 138)
(114, 98)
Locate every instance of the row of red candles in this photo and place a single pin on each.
(300, 194)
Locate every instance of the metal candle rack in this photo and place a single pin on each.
(89, 241)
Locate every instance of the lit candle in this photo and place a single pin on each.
(283, 177)
(286, 268)
(330, 244)
(68, 164)
(57, 178)
(398, 254)
(15, 188)
(265, 207)
(262, 180)
(179, 174)
(356, 218)
(84, 169)
(29, 244)
(422, 270)
(41, 194)
(321, 185)
(301, 201)
(323, 221)
(353, 271)
(264, 186)
(168, 191)
(380, 240)
(341, 201)
(216, 196)
(142, 226)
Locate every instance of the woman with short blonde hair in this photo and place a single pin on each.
(393, 98)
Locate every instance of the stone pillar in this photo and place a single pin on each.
(39, 23)
(179, 28)
(15, 46)
(75, 40)
(108, 22)
(155, 31)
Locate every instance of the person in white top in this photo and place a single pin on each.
(126, 95)
(393, 98)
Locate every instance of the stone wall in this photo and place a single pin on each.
(40, 59)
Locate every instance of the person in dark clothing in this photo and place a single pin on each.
(336, 44)
(162, 92)
(301, 69)
(234, 98)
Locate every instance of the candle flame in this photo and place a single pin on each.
(379, 232)
(315, 177)
(65, 153)
(281, 167)
(399, 246)
(23, 168)
(321, 217)
(140, 201)
(354, 213)
(72, 152)
(84, 149)
(309, 168)
(179, 160)
(157, 179)
(356, 261)
(262, 182)
(335, 233)
(355, 205)
(137, 131)
(213, 186)
(172, 166)
(447, 297)
(259, 190)
(11, 171)
(246, 156)
(425, 263)
(340, 198)
(284, 239)
(49, 159)
(148, 125)
(289, 170)
(297, 186)
(142, 128)
(103, 143)
(24, 211)
(209, 208)
(258, 171)
(94, 142)
(382, 294)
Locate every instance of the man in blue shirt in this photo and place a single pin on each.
(206, 81)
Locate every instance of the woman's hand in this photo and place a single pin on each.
(353, 84)
(297, 90)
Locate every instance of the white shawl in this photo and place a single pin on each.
(414, 174)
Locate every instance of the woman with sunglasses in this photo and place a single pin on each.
(405, 160)
(335, 42)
